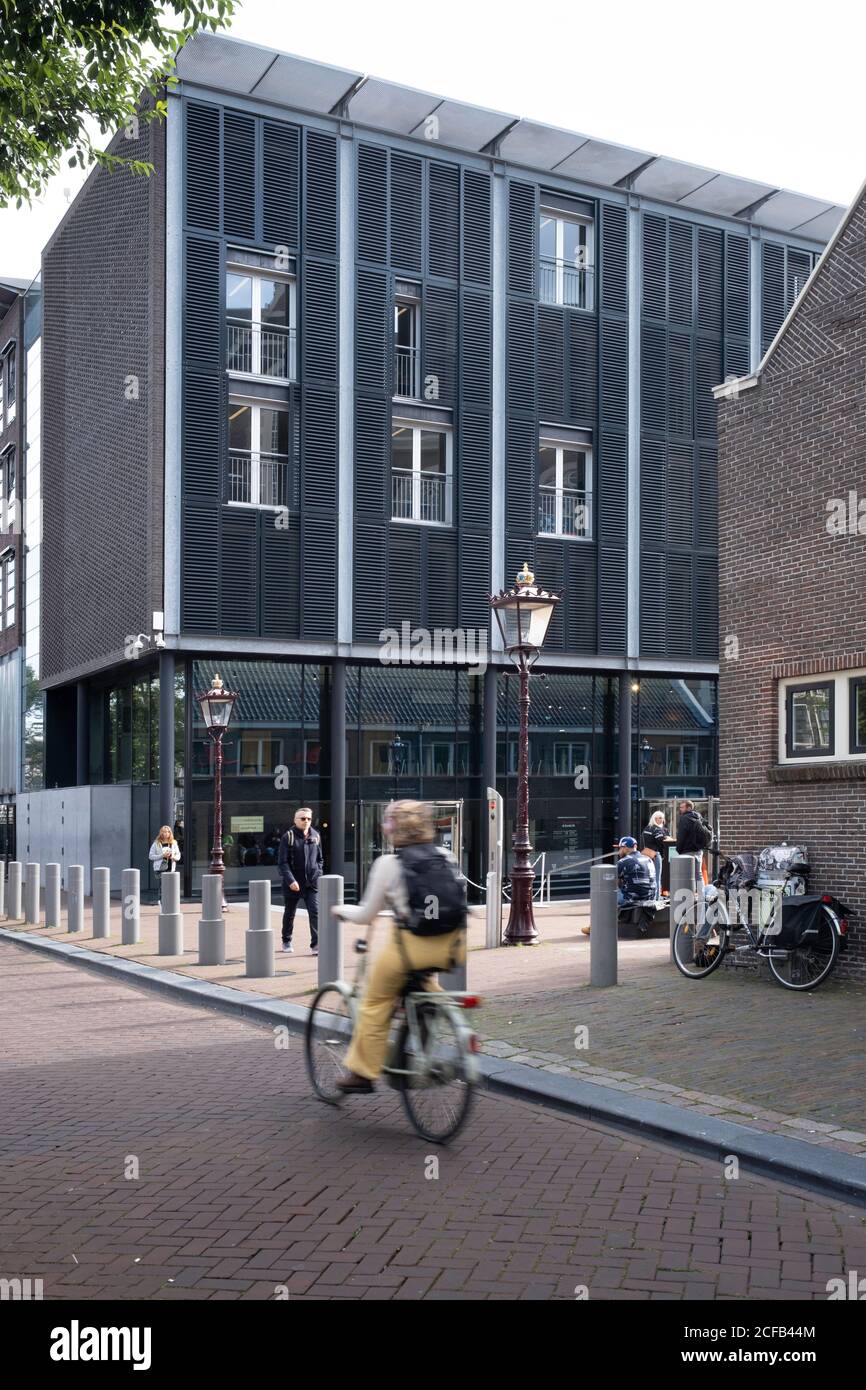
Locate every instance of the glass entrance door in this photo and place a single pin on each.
(448, 819)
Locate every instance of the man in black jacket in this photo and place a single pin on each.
(300, 864)
(691, 835)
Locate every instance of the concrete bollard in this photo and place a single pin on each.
(14, 907)
(31, 894)
(492, 913)
(603, 937)
(2, 890)
(130, 897)
(52, 895)
(75, 898)
(331, 888)
(170, 929)
(101, 904)
(211, 925)
(259, 935)
(682, 890)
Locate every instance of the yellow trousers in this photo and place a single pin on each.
(385, 983)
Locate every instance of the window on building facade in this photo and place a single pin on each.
(260, 322)
(7, 590)
(11, 384)
(420, 473)
(7, 474)
(2, 396)
(564, 489)
(258, 472)
(407, 340)
(857, 714)
(565, 248)
(810, 720)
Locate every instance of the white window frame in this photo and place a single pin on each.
(7, 567)
(259, 739)
(413, 302)
(578, 755)
(560, 217)
(560, 445)
(839, 681)
(431, 427)
(256, 274)
(255, 407)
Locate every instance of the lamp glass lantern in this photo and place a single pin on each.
(217, 705)
(524, 615)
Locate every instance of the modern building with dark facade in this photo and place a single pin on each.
(349, 359)
(792, 441)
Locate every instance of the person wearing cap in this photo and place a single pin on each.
(635, 876)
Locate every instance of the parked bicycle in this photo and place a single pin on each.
(431, 1059)
(799, 935)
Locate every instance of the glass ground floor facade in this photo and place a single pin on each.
(410, 732)
(418, 732)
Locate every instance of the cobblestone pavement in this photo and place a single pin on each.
(735, 1045)
(247, 1186)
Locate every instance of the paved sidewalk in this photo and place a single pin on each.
(735, 1045)
(153, 1151)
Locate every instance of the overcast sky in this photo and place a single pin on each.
(771, 90)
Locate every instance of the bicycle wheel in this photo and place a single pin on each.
(437, 1097)
(698, 956)
(807, 967)
(326, 1042)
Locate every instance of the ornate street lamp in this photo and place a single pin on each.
(217, 705)
(523, 615)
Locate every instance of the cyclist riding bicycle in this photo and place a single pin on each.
(431, 944)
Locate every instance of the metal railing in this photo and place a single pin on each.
(431, 496)
(575, 512)
(406, 365)
(257, 351)
(562, 283)
(258, 479)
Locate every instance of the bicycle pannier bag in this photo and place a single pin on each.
(801, 920)
(437, 894)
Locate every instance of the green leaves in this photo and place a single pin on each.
(65, 64)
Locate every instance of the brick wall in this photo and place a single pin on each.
(792, 595)
(102, 451)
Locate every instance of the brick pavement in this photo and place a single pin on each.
(735, 1045)
(248, 1185)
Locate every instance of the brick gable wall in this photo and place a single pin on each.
(792, 595)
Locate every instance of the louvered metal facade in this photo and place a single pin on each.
(426, 217)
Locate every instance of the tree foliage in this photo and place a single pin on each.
(66, 65)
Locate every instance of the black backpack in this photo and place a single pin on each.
(703, 834)
(436, 892)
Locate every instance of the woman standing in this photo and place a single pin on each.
(656, 837)
(164, 852)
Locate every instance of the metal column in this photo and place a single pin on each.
(624, 804)
(338, 767)
(82, 734)
(166, 738)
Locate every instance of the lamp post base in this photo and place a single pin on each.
(521, 929)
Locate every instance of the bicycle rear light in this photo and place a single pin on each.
(843, 925)
(470, 1001)
(474, 1043)
(826, 898)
